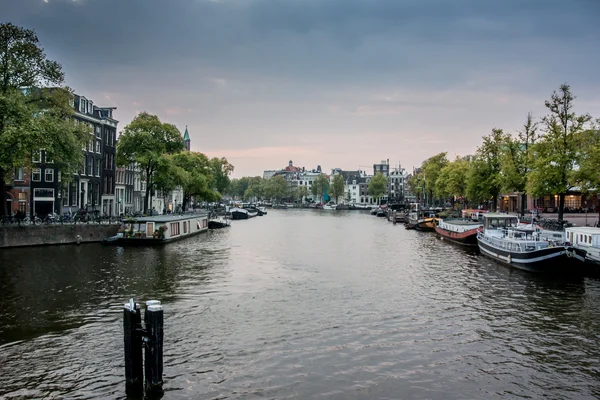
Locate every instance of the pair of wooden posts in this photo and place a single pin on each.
(149, 338)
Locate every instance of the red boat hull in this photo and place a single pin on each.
(467, 238)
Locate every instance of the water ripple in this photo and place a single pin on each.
(298, 305)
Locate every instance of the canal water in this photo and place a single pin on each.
(299, 304)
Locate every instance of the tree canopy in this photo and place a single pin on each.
(276, 188)
(320, 186)
(35, 107)
(143, 142)
(221, 171)
(557, 153)
(378, 185)
(337, 187)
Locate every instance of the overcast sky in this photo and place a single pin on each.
(340, 83)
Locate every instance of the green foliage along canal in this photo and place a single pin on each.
(299, 304)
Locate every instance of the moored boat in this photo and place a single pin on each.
(520, 246)
(242, 213)
(461, 231)
(217, 222)
(158, 230)
(329, 206)
(585, 242)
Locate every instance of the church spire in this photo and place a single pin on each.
(186, 139)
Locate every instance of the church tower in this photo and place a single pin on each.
(186, 139)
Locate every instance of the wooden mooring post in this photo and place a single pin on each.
(138, 337)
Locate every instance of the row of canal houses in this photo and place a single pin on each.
(98, 186)
(356, 183)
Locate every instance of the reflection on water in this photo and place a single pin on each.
(299, 304)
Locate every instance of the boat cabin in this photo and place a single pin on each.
(583, 236)
(500, 221)
(165, 227)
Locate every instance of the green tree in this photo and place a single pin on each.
(320, 186)
(167, 176)
(239, 186)
(415, 184)
(221, 171)
(378, 186)
(255, 188)
(276, 188)
(483, 178)
(194, 174)
(144, 141)
(432, 168)
(587, 175)
(302, 192)
(337, 187)
(33, 115)
(556, 153)
(517, 160)
(452, 181)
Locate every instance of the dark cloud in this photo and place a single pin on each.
(319, 68)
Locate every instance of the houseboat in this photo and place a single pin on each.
(585, 243)
(421, 220)
(242, 213)
(217, 222)
(460, 231)
(157, 230)
(516, 245)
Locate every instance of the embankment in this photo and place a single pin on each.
(45, 235)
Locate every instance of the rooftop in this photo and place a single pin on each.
(166, 218)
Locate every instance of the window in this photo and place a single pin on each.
(48, 158)
(36, 157)
(73, 194)
(59, 176)
(19, 174)
(81, 105)
(97, 161)
(90, 166)
(98, 146)
(98, 131)
(65, 197)
(49, 175)
(184, 227)
(36, 174)
(174, 229)
(91, 146)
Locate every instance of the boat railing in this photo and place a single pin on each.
(513, 244)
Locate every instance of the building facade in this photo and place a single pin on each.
(45, 185)
(89, 185)
(18, 195)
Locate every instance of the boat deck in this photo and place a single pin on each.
(461, 222)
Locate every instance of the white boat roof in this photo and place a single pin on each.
(584, 229)
(165, 218)
(500, 216)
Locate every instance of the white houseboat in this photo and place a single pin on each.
(156, 230)
(585, 242)
(522, 246)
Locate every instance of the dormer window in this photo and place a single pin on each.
(90, 107)
(82, 105)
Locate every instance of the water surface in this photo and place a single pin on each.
(299, 304)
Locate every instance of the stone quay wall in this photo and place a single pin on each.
(45, 235)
